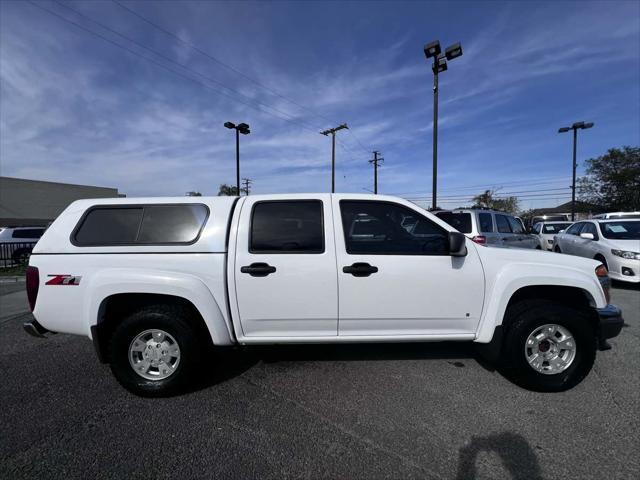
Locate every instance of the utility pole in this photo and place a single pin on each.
(575, 127)
(326, 133)
(247, 185)
(375, 161)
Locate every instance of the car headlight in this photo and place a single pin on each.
(626, 254)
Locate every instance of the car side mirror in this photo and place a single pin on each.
(561, 231)
(457, 244)
(587, 236)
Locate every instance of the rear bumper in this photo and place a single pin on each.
(34, 328)
(609, 324)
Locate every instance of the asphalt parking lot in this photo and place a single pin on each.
(365, 411)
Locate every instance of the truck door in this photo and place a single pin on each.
(394, 281)
(285, 268)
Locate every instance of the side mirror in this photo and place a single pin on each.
(587, 236)
(561, 231)
(457, 244)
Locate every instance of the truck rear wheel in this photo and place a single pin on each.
(155, 351)
(549, 347)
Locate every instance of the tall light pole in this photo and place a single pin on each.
(333, 131)
(432, 50)
(375, 162)
(241, 128)
(575, 127)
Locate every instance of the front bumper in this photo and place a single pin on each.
(610, 324)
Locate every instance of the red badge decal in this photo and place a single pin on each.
(64, 280)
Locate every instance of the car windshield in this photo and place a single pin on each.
(554, 227)
(621, 230)
(459, 221)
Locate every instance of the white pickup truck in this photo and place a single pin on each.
(157, 282)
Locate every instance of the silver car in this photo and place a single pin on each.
(490, 227)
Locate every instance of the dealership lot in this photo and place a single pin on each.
(364, 411)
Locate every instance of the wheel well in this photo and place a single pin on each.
(113, 308)
(571, 296)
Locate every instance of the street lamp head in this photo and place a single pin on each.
(243, 128)
(229, 125)
(588, 125)
(564, 129)
(453, 51)
(432, 49)
(440, 65)
(578, 125)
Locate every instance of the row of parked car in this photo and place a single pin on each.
(16, 244)
(612, 238)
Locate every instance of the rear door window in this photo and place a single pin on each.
(486, 222)
(287, 227)
(503, 224)
(459, 221)
(516, 226)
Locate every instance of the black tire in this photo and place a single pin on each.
(557, 249)
(174, 320)
(21, 256)
(538, 247)
(522, 319)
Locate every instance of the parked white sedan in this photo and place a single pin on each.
(616, 243)
(545, 231)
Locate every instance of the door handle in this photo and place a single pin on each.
(359, 269)
(258, 269)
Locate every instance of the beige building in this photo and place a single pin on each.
(34, 202)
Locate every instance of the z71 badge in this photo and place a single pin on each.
(64, 280)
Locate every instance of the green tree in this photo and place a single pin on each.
(227, 190)
(612, 181)
(488, 199)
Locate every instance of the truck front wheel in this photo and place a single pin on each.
(549, 346)
(155, 351)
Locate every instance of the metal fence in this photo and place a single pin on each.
(15, 253)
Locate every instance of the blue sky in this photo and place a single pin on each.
(76, 108)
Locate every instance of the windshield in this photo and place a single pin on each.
(459, 221)
(554, 227)
(622, 230)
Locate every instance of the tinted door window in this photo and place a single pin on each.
(372, 227)
(503, 224)
(575, 229)
(516, 226)
(590, 228)
(486, 222)
(287, 227)
(459, 221)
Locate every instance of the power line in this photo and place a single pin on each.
(232, 69)
(524, 183)
(183, 66)
(217, 60)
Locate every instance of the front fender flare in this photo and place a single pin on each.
(515, 276)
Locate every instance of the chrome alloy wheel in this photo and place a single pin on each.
(154, 354)
(550, 349)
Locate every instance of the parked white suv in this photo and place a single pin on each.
(16, 243)
(156, 282)
(546, 231)
(490, 227)
(615, 243)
